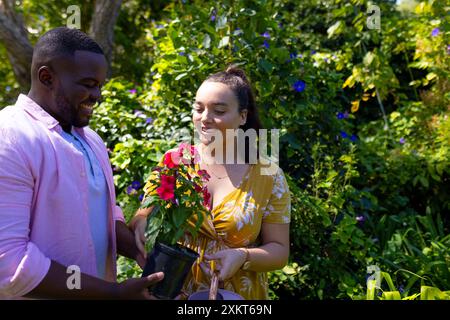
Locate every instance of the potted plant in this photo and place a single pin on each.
(179, 205)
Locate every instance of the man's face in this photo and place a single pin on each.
(78, 87)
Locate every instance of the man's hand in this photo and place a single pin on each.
(54, 286)
(126, 244)
(138, 227)
(137, 288)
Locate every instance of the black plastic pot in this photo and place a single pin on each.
(175, 261)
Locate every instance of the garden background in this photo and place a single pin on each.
(363, 112)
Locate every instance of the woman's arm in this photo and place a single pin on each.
(271, 255)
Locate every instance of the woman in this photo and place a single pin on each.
(247, 233)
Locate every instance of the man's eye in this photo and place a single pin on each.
(89, 85)
(220, 112)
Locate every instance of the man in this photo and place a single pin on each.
(57, 200)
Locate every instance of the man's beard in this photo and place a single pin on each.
(68, 111)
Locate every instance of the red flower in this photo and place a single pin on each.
(204, 174)
(206, 197)
(197, 187)
(165, 194)
(167, 181)
(166, 190)
(185, 149)
(171, 159)
(195, 154)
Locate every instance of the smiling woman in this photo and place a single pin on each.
(247, 231)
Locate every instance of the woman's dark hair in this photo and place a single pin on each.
(237, 81)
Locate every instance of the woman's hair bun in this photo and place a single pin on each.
(233, 70)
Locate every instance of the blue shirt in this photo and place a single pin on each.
(98, 199)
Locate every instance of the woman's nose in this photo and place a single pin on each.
(206, 116)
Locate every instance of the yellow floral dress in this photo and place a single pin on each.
(262, 197)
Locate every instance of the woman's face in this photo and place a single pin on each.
(216, 108)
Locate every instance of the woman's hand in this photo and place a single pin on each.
(229, 261)
(138, 225)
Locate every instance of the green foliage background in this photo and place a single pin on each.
(365, 145)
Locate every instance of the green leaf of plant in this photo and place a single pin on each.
(181, 76)
(224, 42)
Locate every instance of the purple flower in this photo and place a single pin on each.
(402, 140)
(130, 190)
(182, 53)
(346, 114)
(313, 52)
(435, 32)
(326, 60)
(360, 218)
(149, 120)
(353, 138)
(159, 26)
(280, 25)
(340, 116)
(343, 134)
(132, 91)
(138, 113)
(299, 86)
(213, 15)
(292, 56)
(448, 49)
(266, 44)
(141, 197)
(266, 35)
(401, 289)
(136, 185)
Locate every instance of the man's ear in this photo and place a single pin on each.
(46, 76)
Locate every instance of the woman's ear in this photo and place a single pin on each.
(243, 116)
(45, 76)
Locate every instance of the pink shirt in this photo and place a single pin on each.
(44, 200)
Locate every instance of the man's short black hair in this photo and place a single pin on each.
(59, 42)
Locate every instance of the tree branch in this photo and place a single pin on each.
(15, 38)
(102, 25)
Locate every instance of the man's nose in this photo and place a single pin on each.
(96, 93)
